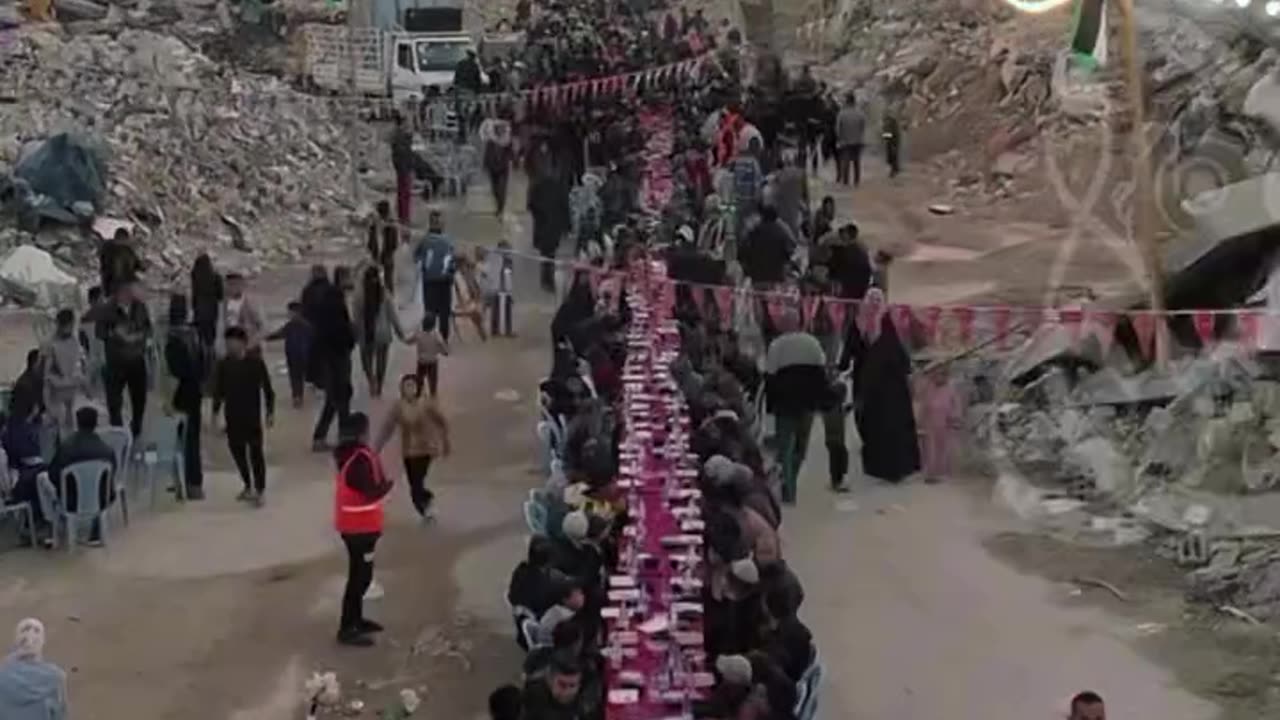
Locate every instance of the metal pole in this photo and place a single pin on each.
(1143, 221)
(354, 8)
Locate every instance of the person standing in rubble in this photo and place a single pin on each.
(851, 127)
(125, 330)
(383, 240)
(207, 295)
(118, 261)
(403, 161)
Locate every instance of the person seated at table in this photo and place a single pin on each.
(504, 703)
(719, 470)
(779, 690)
(84, 445)
(733, 610)
(556, 695)
(569, 600)
(566, 638)
(531, 581)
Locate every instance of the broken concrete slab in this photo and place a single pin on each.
(29, 276)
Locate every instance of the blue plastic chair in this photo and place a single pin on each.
(90, 477)
(120, 440)
(807, 690)
(163, 451)
(535, 516)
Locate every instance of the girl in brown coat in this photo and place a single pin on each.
(424, 436)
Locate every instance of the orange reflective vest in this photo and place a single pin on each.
(353, 513)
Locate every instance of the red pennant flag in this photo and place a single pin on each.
(1033, 318)
(931, 321)
(1144, 328)
(1250, 328)
(1071, 319)
(1204, 322)
(1104, 329)
(810, 305)
(837, 310)
(1000, 319)
(900, 316)
(724, 301)
(964, 322)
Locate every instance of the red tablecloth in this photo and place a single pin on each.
(665, 667)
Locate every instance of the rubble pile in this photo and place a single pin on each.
(198, 157)
(1188, 455)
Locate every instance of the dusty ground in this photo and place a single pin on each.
(926, 601)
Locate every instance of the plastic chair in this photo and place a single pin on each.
(21, 510)
(90, 477)
(535, 516)
(546, 446)
(807, 690)
(120, 440)
(164, 451)
(529, 634)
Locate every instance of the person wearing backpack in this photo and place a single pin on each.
(435, 260)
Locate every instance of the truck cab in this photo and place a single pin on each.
(423, 61)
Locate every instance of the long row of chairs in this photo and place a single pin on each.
(139, 470)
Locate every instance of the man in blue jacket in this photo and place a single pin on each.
(435, 260)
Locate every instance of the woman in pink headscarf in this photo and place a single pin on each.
(881, 392)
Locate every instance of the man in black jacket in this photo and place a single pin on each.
(125, 329)
(766, 254)
(242, 383)
(335, 338)
(118, 261)
(557, 695)
(82, 446)
(184, 354)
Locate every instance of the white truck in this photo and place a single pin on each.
(380, 63)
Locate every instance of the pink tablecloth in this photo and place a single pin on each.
(655, 625)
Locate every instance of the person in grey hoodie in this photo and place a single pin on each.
(30, 687)
(851, 128)
(65, 375)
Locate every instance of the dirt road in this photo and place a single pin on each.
(214, 611)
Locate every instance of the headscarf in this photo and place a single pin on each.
(29, 640)
(871, 318)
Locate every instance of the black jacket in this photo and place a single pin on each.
(766, 254)
(124, 332)
(361, 476)
(184, 354)
(334, 332)
(241, 384)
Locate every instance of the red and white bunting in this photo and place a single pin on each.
(1144, 328)
(964, 317)
(930, 319)
(837, 310)
(1250, 326)
(1001, 320)
(1204, 321)
(810, 305)
(900, 315)
(1103, 327)
(1071, 319)
(724, 302)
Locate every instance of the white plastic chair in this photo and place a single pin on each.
(546, 446)
(120, 440)
(535, 516)
(529, 633)
(90, 477)
(807, 690)
(164, 452)
(20, 510)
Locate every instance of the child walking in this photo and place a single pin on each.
(297, 335)
(430, 345)
(241, 384)
(424, 436)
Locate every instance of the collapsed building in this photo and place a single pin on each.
(1100, 444)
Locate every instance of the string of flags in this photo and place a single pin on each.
(556, 95)
(966, 324)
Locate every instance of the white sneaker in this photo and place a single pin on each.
(375, 591)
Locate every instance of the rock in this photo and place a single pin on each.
(29, 276)
(1110, 470)
(80, 10)
(1009, 164)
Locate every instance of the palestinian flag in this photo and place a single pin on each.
(1089, 34)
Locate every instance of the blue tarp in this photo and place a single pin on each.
(66, 169)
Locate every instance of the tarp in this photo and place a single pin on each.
(66, 169)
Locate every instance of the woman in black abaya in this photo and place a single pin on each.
(882, 393)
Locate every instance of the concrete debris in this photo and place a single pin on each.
(201, 158)
(29, 276)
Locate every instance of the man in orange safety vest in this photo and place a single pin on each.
(357, 515)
